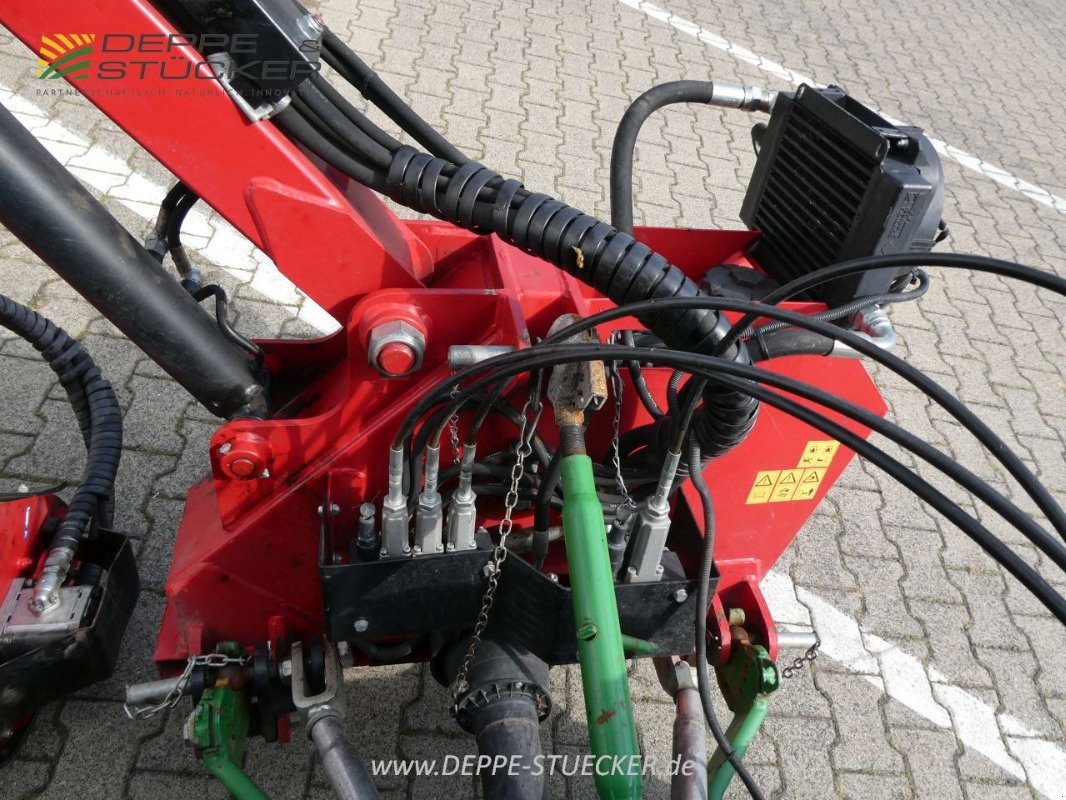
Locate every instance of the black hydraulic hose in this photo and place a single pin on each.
(625, 138)
(370, 85)
(358, 144)
(548, 484)
(304, 133)
(703, 605)
(66, 226)
(994, 266)
(224, 324)
(788, 342)
(516, 363)
(358, 118)
(640, 384)
(847, 309)
(175, 217)
(99, 417)
(743, 378)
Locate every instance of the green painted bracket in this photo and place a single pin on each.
(218, 729)
(608, 706)
(747, 682)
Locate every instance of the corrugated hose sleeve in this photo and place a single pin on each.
(613, 262)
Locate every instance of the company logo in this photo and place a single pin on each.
(66, 55)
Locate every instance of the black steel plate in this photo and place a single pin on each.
(437, 593)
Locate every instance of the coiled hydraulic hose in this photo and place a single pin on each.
(100, 419)
(607, 259)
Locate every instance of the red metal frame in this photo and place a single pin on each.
(244, 565)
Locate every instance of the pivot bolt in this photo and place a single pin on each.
(680, 596)
(396, 348)
(245, 457)
(361, 625)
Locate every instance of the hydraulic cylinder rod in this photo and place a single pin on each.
(58, 219)
(608, 707)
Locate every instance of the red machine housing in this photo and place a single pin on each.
(246, 555)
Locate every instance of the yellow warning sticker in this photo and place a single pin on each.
(809, 483)
(762, 486)
(784, 485)
(818, 453)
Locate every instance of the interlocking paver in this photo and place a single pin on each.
(535, 89)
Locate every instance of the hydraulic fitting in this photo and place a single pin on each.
(429, 515)
(366, 540)
(461, 356)
(652, 526)
(394, 529)
(462, 514)
(649, 540)
(395, 348)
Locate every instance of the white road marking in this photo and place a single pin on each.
(883, 664)
(1003, 739)
(968, 160)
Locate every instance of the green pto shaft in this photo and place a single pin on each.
(608, 707)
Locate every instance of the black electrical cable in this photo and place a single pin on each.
(1010, 460)
(703, 605)
(370, 85)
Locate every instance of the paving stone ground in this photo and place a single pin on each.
(535, 89)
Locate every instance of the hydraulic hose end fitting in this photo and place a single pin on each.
(745, 98)
(56, 568)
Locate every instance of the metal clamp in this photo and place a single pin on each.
(222, 65)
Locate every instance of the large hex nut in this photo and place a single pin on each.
(396, 348)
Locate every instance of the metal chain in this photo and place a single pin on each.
(807, 658)
(523, 450)
(616, 449)
(174, 696)
(453, 430)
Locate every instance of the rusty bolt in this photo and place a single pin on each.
(396, 348)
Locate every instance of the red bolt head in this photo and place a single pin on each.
(396, 358)
(248, 457)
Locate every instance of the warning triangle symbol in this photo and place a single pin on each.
(789, 478)
(812, 478)
(764, 481)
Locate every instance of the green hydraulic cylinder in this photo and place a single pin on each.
(608, 707)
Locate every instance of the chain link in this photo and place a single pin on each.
(174, 696)
(453, 430)
(523, 450)
(616, 425)
(807, 658)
